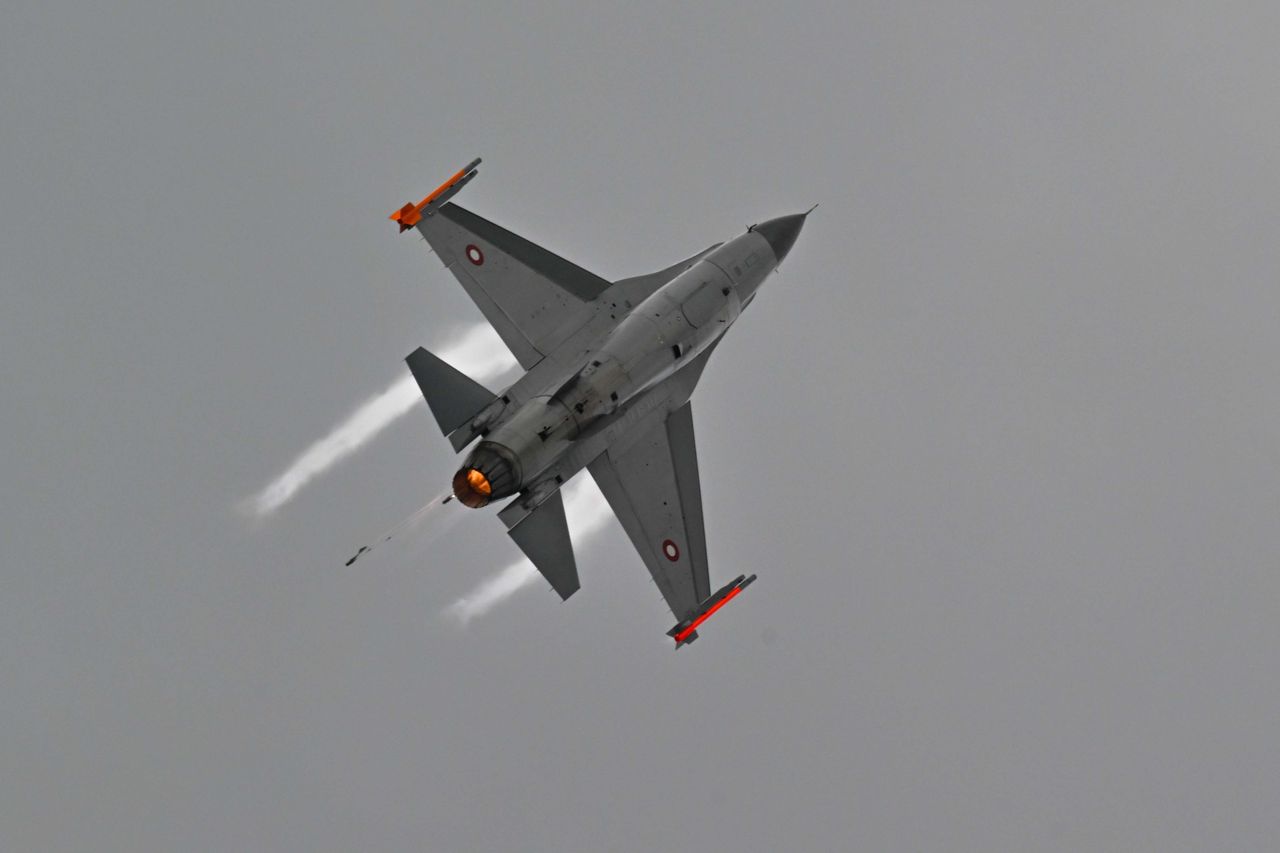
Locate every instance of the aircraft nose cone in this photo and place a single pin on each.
(781, 233)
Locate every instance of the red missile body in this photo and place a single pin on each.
(687, 632)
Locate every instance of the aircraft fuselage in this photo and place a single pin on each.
(610, 367)
(663, 333)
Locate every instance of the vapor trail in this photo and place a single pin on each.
(410, 523)
(587, 512)
(478, 353)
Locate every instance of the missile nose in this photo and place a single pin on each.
(781, 233)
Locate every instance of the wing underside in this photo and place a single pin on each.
(533, 298)
(653, 488)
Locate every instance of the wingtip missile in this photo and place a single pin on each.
(411, 214)
(687, 631)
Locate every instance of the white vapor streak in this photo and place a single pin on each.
(587, 512)
(479, 353)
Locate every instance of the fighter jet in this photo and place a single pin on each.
(610, 367)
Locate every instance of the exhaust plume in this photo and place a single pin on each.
(586, 511)
(478, 352)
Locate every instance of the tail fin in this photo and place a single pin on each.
(454, 397)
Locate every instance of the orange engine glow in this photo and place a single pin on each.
(472, 488)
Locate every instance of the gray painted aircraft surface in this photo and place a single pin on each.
(610, 367)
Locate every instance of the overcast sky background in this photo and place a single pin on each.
(1001, 439)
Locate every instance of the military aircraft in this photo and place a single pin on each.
(610, 367)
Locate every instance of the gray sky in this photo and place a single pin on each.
(1000, 440)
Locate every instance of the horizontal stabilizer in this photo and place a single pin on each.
(454, 397)
(543, 536)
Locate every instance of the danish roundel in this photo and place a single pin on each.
(671, 550)
(475, 255)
